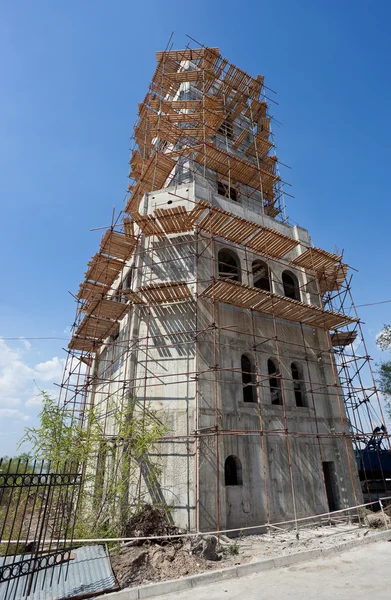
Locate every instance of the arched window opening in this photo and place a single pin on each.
(248, 380)
(261, 275)
(298, 385)
(291, 285)
(229, 265)
(117, 295)
(274, 382)
(228, 191)
(128, 281)
(233, 471)
(226, 128)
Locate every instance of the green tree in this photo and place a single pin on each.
(112, 465)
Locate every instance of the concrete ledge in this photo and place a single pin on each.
(164, 587)
(152, 590)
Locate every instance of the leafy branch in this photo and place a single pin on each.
(120, 471)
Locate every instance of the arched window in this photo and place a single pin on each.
(274, 382)
(261, 275)
(228, 191)
(226, 128)
(233, 471)
(298, 385)
(248, 378)
(117, 295)
(291, 285)
(229, 265)
(128, 281)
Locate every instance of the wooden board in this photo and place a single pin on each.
(154, 174)
(148, 224)
(83, 344)
(241, 137)
(198, 210)
(316, 259)
(186, 54)
(132, 297)
(117, 245)
(332, 280)
(89, 290)
(106, 308)
(128, 227)
(95, 327)
(173, 220)
(103, 269)
(272, 242)
(236, 168)
(166, 292)
(244, 296)
(343, 338)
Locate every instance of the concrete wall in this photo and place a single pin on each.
(195, 382)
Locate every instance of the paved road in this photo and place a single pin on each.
(355, 574)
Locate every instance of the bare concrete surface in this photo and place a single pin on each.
(360, 573)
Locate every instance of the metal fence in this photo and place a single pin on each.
(38, 505)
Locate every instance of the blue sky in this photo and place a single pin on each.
(71, 76)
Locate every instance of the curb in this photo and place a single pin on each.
(152, 590)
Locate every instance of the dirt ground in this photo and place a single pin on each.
(139, 565)
(147, 562)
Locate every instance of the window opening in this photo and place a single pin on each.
(298, 385)
(274, 382)
(291, 286)
(127, 285)
(233, 471)
(261, 275)
(227, 191)
(330, 480)
(229, 265)
(226, 128)
(248, 379)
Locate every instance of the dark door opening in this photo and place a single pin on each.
(330, 481)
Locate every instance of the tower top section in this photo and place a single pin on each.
(203, 117)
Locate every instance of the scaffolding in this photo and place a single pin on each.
(204, 118)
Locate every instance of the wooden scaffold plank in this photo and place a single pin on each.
(166, 292)
(173, 220)
(343, 338)
(95, 327)
(117, 245)
(316, 259)
(84, 344)
(109, 309)
(272, 242)
(331, 280)
(243, 296)
(89, 290)
(148, 224)
(103, 269)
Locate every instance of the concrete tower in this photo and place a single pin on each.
(208, 306)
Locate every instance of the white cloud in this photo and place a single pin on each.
(14, 373)
(26, 344)
(34, 401)
(50, 370)
(20, 382)
(15, 415)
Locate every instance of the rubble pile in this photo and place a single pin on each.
(142, 561)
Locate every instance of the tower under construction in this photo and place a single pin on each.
(205, 305)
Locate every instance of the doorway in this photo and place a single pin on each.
(330, 480)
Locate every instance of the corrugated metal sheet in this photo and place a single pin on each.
(88, 574)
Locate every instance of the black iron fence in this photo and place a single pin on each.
(38, 505)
